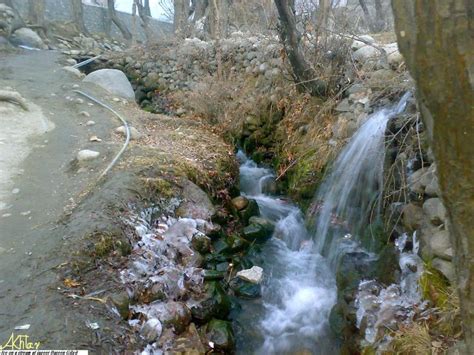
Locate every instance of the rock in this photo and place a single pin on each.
(216, 304)
(446, 268)
(395, 59)
(250, 211)
(152, 330)
(201, 243)
(245, 289)
(432, 185)
(87, 154)
(416, 181)
(90, 123)
(253, 275)
(344, 106)
(220, 333)
(256, 233)
(435, 211)
(176, 315)
(134, 133)
(189, 342)
(27, 37)
(196, 204)
(122, 302)
(85, 114)
(112, 80)
(412, 217)
(359, 44)
(437, 243)
(240, 202)
(366, 53)
(380, 78)
(76, 72)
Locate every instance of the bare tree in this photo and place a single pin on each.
(142, 12)
(303, 75)
(146, 8)
(218, 18)
(36, 12)
(180, 17)
(116, 20)
(436, 40)
(78, 15)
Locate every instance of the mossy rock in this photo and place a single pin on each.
(250, 211)
(245, 289)
(221, 334)
(215, 305)
(256, 233)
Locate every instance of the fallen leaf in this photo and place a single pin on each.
(71, 283)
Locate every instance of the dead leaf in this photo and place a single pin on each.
(71, 283)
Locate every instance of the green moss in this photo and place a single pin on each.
(434, 286)
(106, 242)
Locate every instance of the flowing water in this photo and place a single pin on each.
(299, 289)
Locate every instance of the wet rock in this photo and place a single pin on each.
(250, 211)
(216, 304)
(27, 37)
(245, 289)
(256, 233)
(201, 243)
(113, 81)
(86, 155)
(220, 333)
(210, 275)
(446, 268)
(134, 133)
(152, 330)
(176, 315)
(253, 275)
(196, 203)
(435, 211)
(266, 224)
(189, 342)
(122, 302)
(412, 217)
(240, 202)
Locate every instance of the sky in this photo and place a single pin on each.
(126, 6)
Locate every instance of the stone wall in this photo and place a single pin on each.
(95, 18)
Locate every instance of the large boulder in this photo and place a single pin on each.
(366, 53)
(220, 333)
(435, 211)
(113, 81)
(27, 37)
(196, 203)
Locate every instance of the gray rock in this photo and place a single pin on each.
(431, 181)
(76, 72)
(437, 243)
(344, 106)
(152, 330)
(196, 203)
(366, 53)
(412, 217)
(87, 154)
(112, 80)
(446, 268)
(417, 181)
(134, 133)
(27, 37)
(435, 211)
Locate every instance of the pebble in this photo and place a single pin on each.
(90, 104)
(15, 190)
(25, 213)
(80, 101)
(75, 86)
(90, 123)
(134, 133)
(85, 114)
(116, 99)
(5, 215)
(95, 139)
(87, 154)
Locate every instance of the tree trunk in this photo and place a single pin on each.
(146, 8)
(199, 8)
(78, 15)
(303, 75)
(115, 19)
(323, 14)
(219, 18)
(436, 39)
(142, 12)
(36, 12)
(180, 20)
(379, 16)
(368, 18)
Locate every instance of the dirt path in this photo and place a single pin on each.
(37, 182)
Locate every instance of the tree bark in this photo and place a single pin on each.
(436, 39)
(180, 20)
(142, 12)
(303, 75)
(36, 12)
(115, 19)
(379, 22)
(146, 8)
(78, 15)
(219, 18)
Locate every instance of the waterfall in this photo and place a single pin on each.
(350, 195)
(299, 288)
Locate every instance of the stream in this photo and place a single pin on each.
(299, 265)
